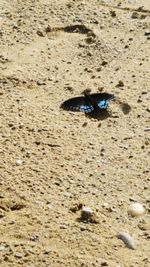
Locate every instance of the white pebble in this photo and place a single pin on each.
(105, 205)
(127, 239)
(147, 129)
(136, 209)
(18, 162)
(63, 226)
(87, 210)
(49, 206)
(86, 213)
(2, 248)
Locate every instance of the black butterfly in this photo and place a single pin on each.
(88, 102)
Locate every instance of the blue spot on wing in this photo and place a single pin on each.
(103, 104)
(101, 99)
(86, 108)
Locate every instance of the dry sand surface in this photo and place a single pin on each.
(54, 162)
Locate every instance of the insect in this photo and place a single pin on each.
(88, 102)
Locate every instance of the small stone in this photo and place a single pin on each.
(18, 162)
(39, 33)
(88, 160)
(99, 69)
(2, 215)
(50, 206)
(76, 207)
(147, 33)
(104, 63)
(84, 124)
(113, 13)
(69, 88)
(48, 29)
(105, 205)
(63, 226)
(126, 108)
(40, 82)
(136, 209)
(86, 213)
(111, 209)
(143, 16)
(147, 129)
(21, 125)
(34, 238)
(83, 228)
(126, 46)
(48, 251)
(132, 30)
(6, 258)
(2, 248)
(90, 40)
(18, 255)
(127, 239)
(135, 15)
(120, 84)
(104, 263)
(133, 199)
(144, 225)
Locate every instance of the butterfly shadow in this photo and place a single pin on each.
(98, 114)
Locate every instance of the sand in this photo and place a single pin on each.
(55, 162)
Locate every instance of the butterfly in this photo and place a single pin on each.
(88, 102)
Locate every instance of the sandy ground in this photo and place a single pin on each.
(68, 160)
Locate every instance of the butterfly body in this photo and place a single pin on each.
(88, 102)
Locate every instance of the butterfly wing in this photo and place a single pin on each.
(77, 104)
(87, 103)
(102, 99)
